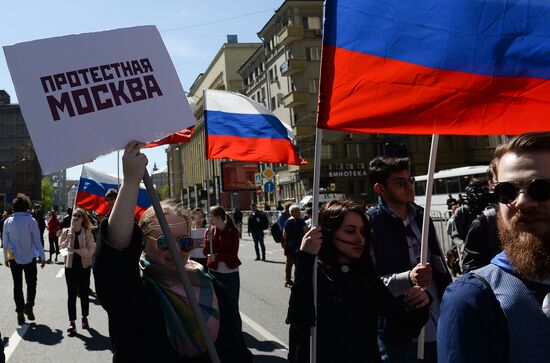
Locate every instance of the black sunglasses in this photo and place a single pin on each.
(537, 189)
(185, 243)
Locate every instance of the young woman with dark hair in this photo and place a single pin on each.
(54, 226)
(351, 295)
(224, 263)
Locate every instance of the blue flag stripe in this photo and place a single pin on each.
(493, 38)
(245, 125)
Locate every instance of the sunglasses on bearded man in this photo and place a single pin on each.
(536, 189)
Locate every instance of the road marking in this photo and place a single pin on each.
(15, 339)
(264, 333)
(60, 273)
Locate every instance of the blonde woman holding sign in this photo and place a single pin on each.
(150, 316)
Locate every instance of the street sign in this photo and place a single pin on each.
(269, 187)
(258, 179)
(268, 174)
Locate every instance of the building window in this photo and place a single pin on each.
(353, 151)
(313, 54)
(273, 105)
(312, 22)
(313, 85)
(326, 152)
(351, 187)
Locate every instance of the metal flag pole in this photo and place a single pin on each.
(426, 223)
(314, 223)
(76, 195)
(118, 169)
(208, 226)
(207, 176)
(179, 266)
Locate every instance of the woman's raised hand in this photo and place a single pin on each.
(133, 162)
(311, 243)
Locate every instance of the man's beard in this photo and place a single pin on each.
(528, 253)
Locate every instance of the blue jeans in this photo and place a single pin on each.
(232, 284)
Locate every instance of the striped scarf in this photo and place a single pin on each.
(181, 326)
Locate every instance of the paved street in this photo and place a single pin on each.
(263, 305)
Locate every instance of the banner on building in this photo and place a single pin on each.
(237, 176)
(96, 92)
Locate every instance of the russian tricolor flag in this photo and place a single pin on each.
(240, 129)
(467, 67)
(92, 188)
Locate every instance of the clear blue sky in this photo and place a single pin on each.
(193, 31)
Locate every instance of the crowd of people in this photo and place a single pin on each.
(374, 293)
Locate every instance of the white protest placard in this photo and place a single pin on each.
(89, 94)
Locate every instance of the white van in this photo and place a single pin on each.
(323, 198)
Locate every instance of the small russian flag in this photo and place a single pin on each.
(92, 188)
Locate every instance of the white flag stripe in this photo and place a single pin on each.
(101, 177)
(89, 173)
(231, 102)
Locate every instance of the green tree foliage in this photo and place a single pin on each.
(164, 192)
(47, 194)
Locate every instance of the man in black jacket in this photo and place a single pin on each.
(397, 230)
(257, 224)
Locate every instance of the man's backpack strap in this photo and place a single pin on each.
(502, 323)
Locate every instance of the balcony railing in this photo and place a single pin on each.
(292, 66)
(295, 98)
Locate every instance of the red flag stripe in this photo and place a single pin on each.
(370, 94)
(176, 138)
(253, 149)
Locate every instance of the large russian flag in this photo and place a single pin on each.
(468, 67)
(92, 188)
(240, 129)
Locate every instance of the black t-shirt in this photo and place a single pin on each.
(77, 260)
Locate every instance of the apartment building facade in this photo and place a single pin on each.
(186, 162)
(20, 171)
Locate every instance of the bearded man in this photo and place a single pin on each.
(501, 312)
